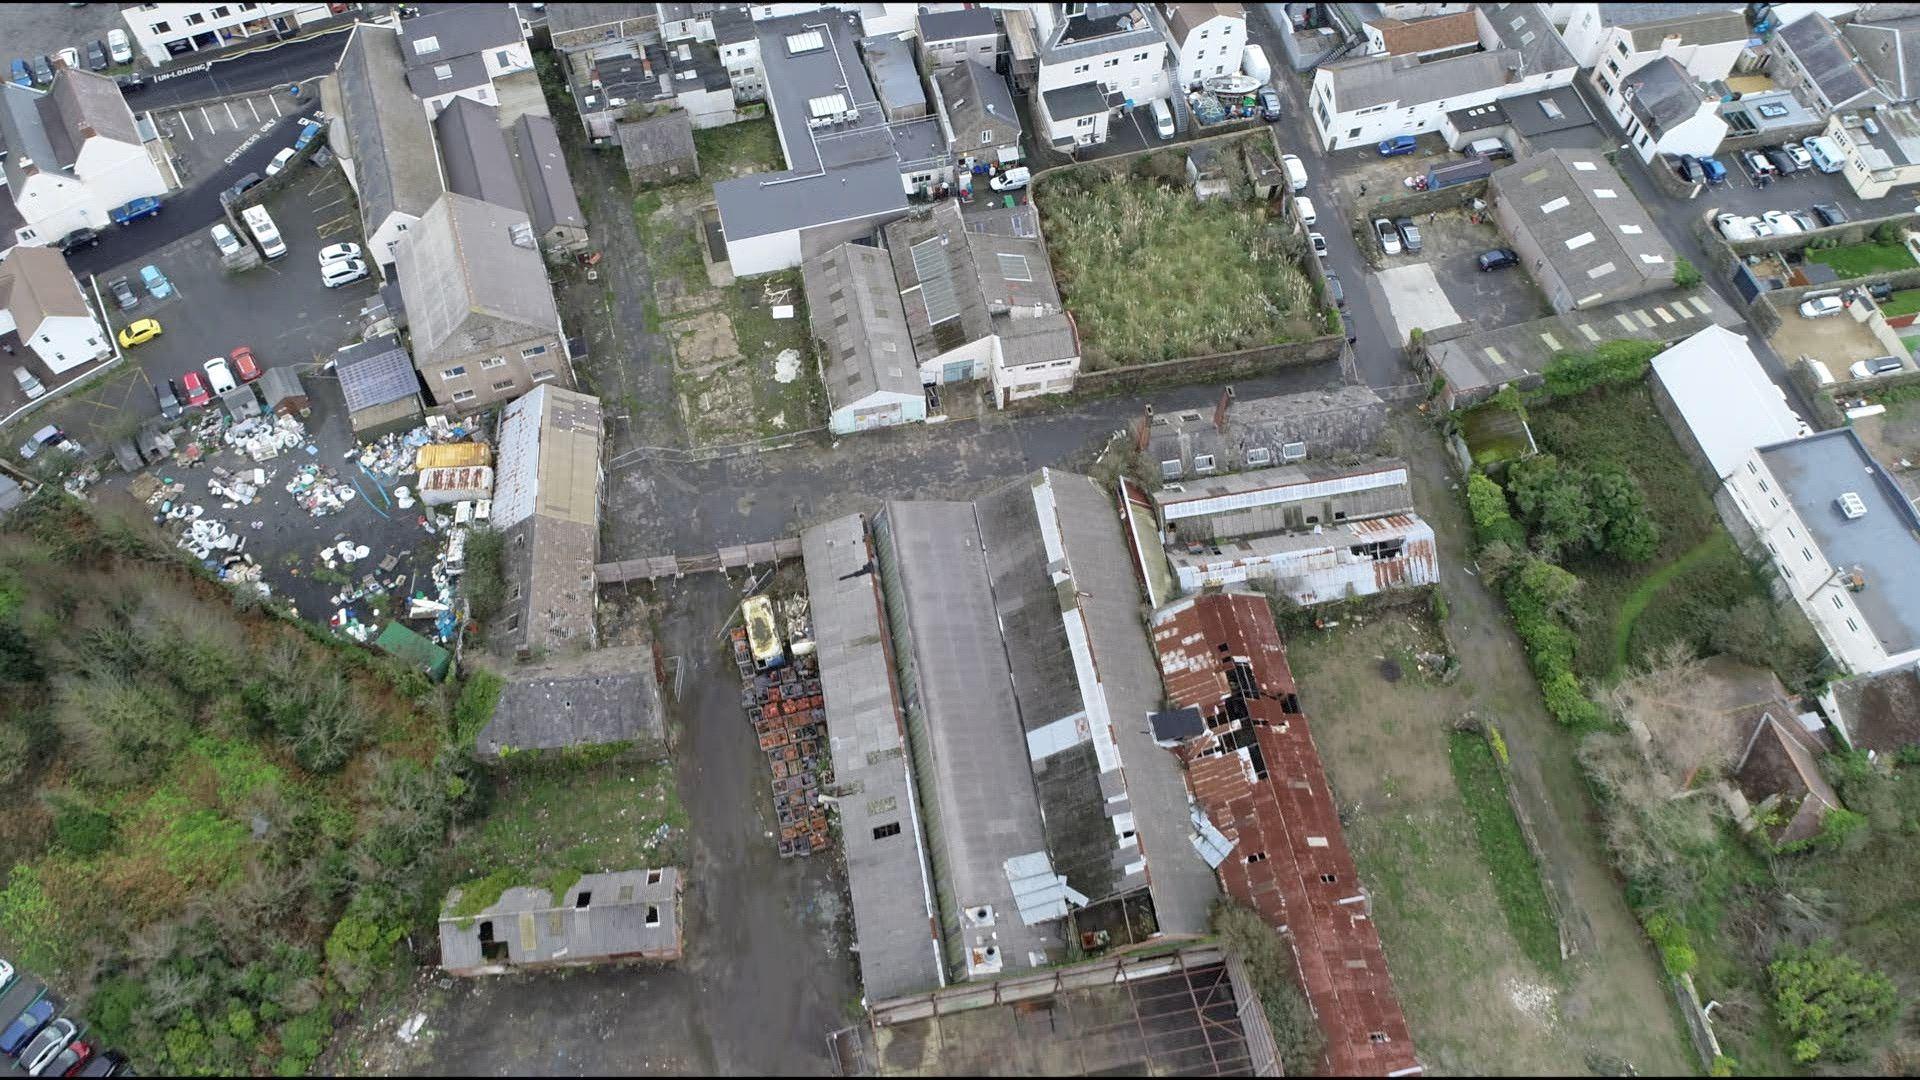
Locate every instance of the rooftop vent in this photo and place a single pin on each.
(522, 234)
(1852, 506)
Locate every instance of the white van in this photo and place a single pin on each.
(1253, 62)
(1296, 173)
(1826, 156)
(264, 231)
(1303, 209)
(1821, 374)
(1162, 118)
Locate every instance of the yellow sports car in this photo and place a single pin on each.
(139, 332)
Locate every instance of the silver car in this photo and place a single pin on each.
(47, 1045)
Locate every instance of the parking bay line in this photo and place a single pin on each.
(185, 123)
(208, 119)
(274, 101)
(228, 105)
(254, 111)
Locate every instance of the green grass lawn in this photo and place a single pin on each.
(1150, 274)
(1516, 877)
(734, 149)
(1858, 260)
(1904, 302)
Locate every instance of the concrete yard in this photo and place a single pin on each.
(1416, 299)
(1836, 341)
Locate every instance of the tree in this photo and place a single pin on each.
(1627, 531)
(1685, 274)
(1834, 1007)
(1553, 500)
(1550, 587)
(1492, 521)
(1674, 703)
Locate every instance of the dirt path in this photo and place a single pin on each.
(1615, 989)
(1643, 594)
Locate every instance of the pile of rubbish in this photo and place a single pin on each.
(318, 491)
(263, 437)
(237, 488)
(789, 716)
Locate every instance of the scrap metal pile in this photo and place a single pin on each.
(789, 717)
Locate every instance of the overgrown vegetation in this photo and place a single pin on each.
(1611, 363)
(1150, 274)
(1880, 255)
(484, 582)
(1516, 877)
(1685, 274)
(222, 823)
(1270, 968)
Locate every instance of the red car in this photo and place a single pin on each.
(69, 1060)
(196, 387)
(243, 365)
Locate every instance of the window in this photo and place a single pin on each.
(1805, 553)
(506, 385)
(986, 137)
(1085, 122)
(1204, 33)
(492, 362)
(1080, 69)
(1839, 604)
(194, 18)
(220, 12)
(1139, 56)
(1203, 463)
(1613, 67)
(1111, 61)
(1853, 626)
(161, 27)
(891, 828)
(465, 395)
(454, 372)
(585, 899)
(1258, 856)
(1622, 46)
(1171, 469)
(1354, 134)
(1763, 485)
(1752, 468)
(530, 353)
(443, 71)
(653, 915)
(546, 374)
(503, 58)
(1606, 85)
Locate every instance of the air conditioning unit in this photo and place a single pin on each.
(1852, 506)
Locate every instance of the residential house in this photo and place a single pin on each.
(1207, 40)
(1719, 402)
(896, 81)
(1255, 434)
(1091, 60)
(1367, 99)
(1669, 112)
(739, 48)
(546, 504)
(552, 201)
(1579, 229)
(896, 919)
(383, 140)
(1881, 149)
(596, 919)
(687, 22)
(1877, 714)
(1617, 40)
(381, 389)
(1844, 539)
(458, 50)
(593, 30)
(1886, 38)
(860, 334)
(972, 286)
(948, 37)
(1778, 770)
(41, 303)
(591, 698)
(1434, 38)
(484, 325)
(1817, 59)
(163, 33)
(1263, 817)
(75, 154)
(982, 123)
(658, 149)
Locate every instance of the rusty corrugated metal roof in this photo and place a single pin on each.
(1259, 780)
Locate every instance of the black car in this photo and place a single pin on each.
(1881, 291)
(240, 187)
(168, 398)
(1783, 161)
(1334, 291)
(77, 239)
(123, 293)
(1829, 213)
(111, 1063)
(1269, 104)
(1688, 167)
(42, 70)
(130, 82)
(96, 56)
(1499, 259)
(1346, 324)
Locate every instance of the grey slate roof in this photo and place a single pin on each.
(1585, 218)
(856, 315)
(1891, 50)
(1339, 420)
(1884, 544)
(468, 285)
(395, 166)
(977, 98)
(1526, 29)
(562, 18)
(540, 928)
(474, 150)
(1826, 58)
(1635, 14)
(1092, 33)
(731, 26)
(1718, 27)
(1383, 80)
(83, 97)
(588, 699)
(656, 140)
(1071, 102)
(44, 126)
(25, 132)
(898, 950)
(374, 373)
(448, 30)
(448, 76)
(965, 23)
(896, 78)
(551, 198)
(1663, 94)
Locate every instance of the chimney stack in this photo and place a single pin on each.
(1220, 410)
(1142, 429)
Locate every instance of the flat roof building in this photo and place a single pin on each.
(623, 915)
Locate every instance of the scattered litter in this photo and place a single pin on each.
(410, 1030)
(783, 311)
(786, 366)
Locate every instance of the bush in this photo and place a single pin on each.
(471, 713)
(360, 947)
(484, 580)
(1685, 274)
(1832, 1006)
(1270, 968)
(1487, 502)
(1676, 951)
(1841, 829)
(1610, 363)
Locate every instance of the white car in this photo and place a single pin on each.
(224, 239)
(344, 272)
(219, 375)
(1389, 237)
(1319, 243)
(1296, 172)
(1012, 180)
(279, 161)
(1759, 226)
(337, 252)
(1876, 367)
(1734, 227)
(1799, 155)
(118, 47)
(1821, 306)
(69, 58)
(1782, 222)
(47, 1045)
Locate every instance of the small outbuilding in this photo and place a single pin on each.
(284, 393)
(381, 388)
(590, 698)
(659, 149)
(599, 918)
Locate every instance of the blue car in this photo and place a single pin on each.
(1715, 172)
(27, 1025)
(135, 210)
(156, 282)
(1399, 144)
(309, 130)
(22, 75)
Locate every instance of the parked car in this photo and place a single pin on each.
(1491, 149)
(46, 437)
(78, 239)
(1783, 161)
(31, 1019)
(1389, 239)
(130, 82)
(1759, 225)
(156, 282)
(134, 211)
(1335, 291)
(1011, 180)
(1296, 171)
(47, 1045)
(309, 131)
(1881, 291)
(1409, 234)
(1499, 259)
(1829, 214)
(1319, 244)
(1758, 165)
(280, 161)
(1303, 209)
(6, 975)
(168, 398)
(29, 385)
(239, 187)
(1269, 104)
(42, 70)
(1804, 220)
(96, 56)
(1715, 172)
(1879, 365)
(224, 239)
(1782, 222)
(111, 1063)
(1734, 227)
(1799, 155)
(219, 375)
(337, 252)
(243, 364)
(1399, 144)
(196, 389)
(22, 74)
(1163, 125)
(67, 1060)
(123, 293)
(1688, 167)
(1346, 325)
(119, 47)
(1821, 307)
(345, 272)
(139, 331)
(68, 58)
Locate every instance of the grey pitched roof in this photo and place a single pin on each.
(1662, 94)
(656, 140)
(1585, 218)
(25, 131)
(551, 198)
(965, 23)
(38, 284)
(1891, 50)
(86, 99)
(447, 30)
(448, 76)
(946, 306)
(1094, 33)
(896, 77)
(1080, 99)
(977, 98)
(1526, 29)
(856, 315)
(1883, 544)
(395, 167)
(1037, 340)
(1384, 80)
(468, 284)
(475, 152)
(731, 26)
(1493, 358)
(374, 373)
(1692, 28)
(1635, 14)
(1826, 58)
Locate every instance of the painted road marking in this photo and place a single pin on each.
(227, 105)
(254, 111)
(275, 102)
(186, 124)
(208, 119)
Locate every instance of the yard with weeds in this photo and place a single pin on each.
(1150, 274)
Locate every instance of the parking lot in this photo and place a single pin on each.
(205, 139)
(1746, 196)
(1444, 284)
(44, 29)
(22, 992)
(1837, 341)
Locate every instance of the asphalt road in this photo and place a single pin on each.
(264, 68)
